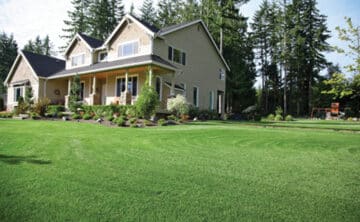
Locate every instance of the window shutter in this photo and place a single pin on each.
(170, 53)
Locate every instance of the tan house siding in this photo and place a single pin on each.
(22, 71)
(56, 85)
(78, 48)
(202, 62)
(127, 33)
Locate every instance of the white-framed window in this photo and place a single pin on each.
(78, 60)
(196, 96)
(176, 55)
(183, 85)
(103, 56)
(128, 49)
(211, 100)
(132, 86)
(18, 92)
(222, 74)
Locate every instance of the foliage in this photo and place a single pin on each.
(132, 120)
(22, 107)
(40, 46)
(41, 106)
(110, 118)
(28, 95)
(252, 113)
(178, 105)
(120, 121)
(278, 111)
(193, 111)
(34, 116)
(271, 117)
(206, 114)
(148, 12)
(278, 118)
(8, 52)
(74, 98)
(339, 86)
(55, 109)
(289, 118)
(147, 101)
(6, 114)
(161, 122)
(148, 123)
(76, 116)
(351, 35)
(86, 116)
(172, 117)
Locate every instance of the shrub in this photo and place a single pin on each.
(1, 104)
(193, 111)
(289, 118)
(133, 120)
(172, 117)
(147, 101)
(110, 118)
(86, 116)
(251, 113)
(120, 121)
(271, 117)
(74, 98)
(278, 111)
(162, 122)
(54, 110)
(178, 105)
(41, 106)
(76, 116)
(5, 115)
(34, 115)
(278, 118)
(148, 123)
(207, 114)
(22, 107)
(96, 117)
(350, 119)
(257, 117)
(130, 111)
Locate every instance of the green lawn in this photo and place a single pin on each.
(68, 171)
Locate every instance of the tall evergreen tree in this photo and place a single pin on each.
(8, 53)
(168, 12)
(77, 22)
(40, 46)
(148, 12)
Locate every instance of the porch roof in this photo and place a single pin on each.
(123, 63)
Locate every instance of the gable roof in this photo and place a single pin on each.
(92, 42)
(41, 65)
(150, 29)
(174, 28)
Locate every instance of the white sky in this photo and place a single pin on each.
(28, 18)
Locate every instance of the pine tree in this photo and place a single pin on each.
(78, 21)
(148, 12)
(168, 13)
(8, 53)
(40, 46)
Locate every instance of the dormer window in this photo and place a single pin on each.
(128, 49)
(78, 60)
(103, 56)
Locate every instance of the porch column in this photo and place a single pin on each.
(126, 81)
(94, 85)
(69, 86)
(172, 89)
(150, 75)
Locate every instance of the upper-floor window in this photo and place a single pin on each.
(78, 60)
(176, 55)
(103, 56)
(222, 74)
(128, 49)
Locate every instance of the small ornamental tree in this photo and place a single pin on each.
(178, 105)
(29, 95)
(74, 98)
(147, 102)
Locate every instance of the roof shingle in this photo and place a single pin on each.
(44, 66)
(92, 42)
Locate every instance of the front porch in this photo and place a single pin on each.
(123, 86)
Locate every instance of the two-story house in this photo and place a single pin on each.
(180, 59)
